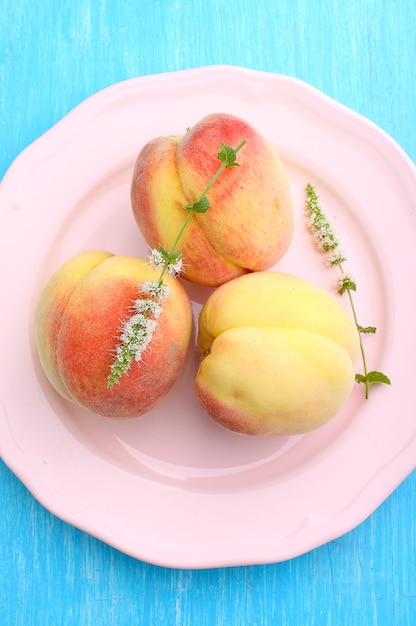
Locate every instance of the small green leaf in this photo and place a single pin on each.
(366, 329)
(227, 155)
(170, 257)
(163, 252)
(346, 284)
(373, 377)
(360, 378)
(200, 206)
(378, 377)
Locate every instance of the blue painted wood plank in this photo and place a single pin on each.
(54, 55)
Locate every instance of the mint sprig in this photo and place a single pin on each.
(136, 331)
(327, 242)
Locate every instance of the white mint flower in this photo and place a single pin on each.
(156, 259)
(147, 305)
(175, 268)
(160, 259)
(155, 290)
(335, 257)
(135, 335)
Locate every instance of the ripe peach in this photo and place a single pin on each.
(249, 224)
(277, 355)
(77, 321)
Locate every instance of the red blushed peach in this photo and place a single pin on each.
(77, 326)
(249, 224)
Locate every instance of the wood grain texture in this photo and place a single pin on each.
(54, 55)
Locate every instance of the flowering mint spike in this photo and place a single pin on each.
(135, 336)
(324, 235)
(137, 331)
(156, 289)
(157, 259)
(327, 242)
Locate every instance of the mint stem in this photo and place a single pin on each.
(226, 163)
(363, 357)
(327, 242)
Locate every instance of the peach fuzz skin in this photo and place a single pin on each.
(249, 224)
(77, 323)
(277, 355)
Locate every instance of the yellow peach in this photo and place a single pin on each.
(249, 224)
(277, 355)
(77, 322)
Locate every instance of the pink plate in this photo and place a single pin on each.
(172, 487)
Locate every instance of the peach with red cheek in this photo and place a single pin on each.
(249, 224)
(51, 307)
(77, 334)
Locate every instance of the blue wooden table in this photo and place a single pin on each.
(53, 55)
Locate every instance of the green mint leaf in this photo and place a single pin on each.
(200, 206)
(372, 377)
(378, 377)
(175, 256)
(227, 155)
(346, 284)
(163, 252)
(366, 329)
(360, 378)
(170, 257)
